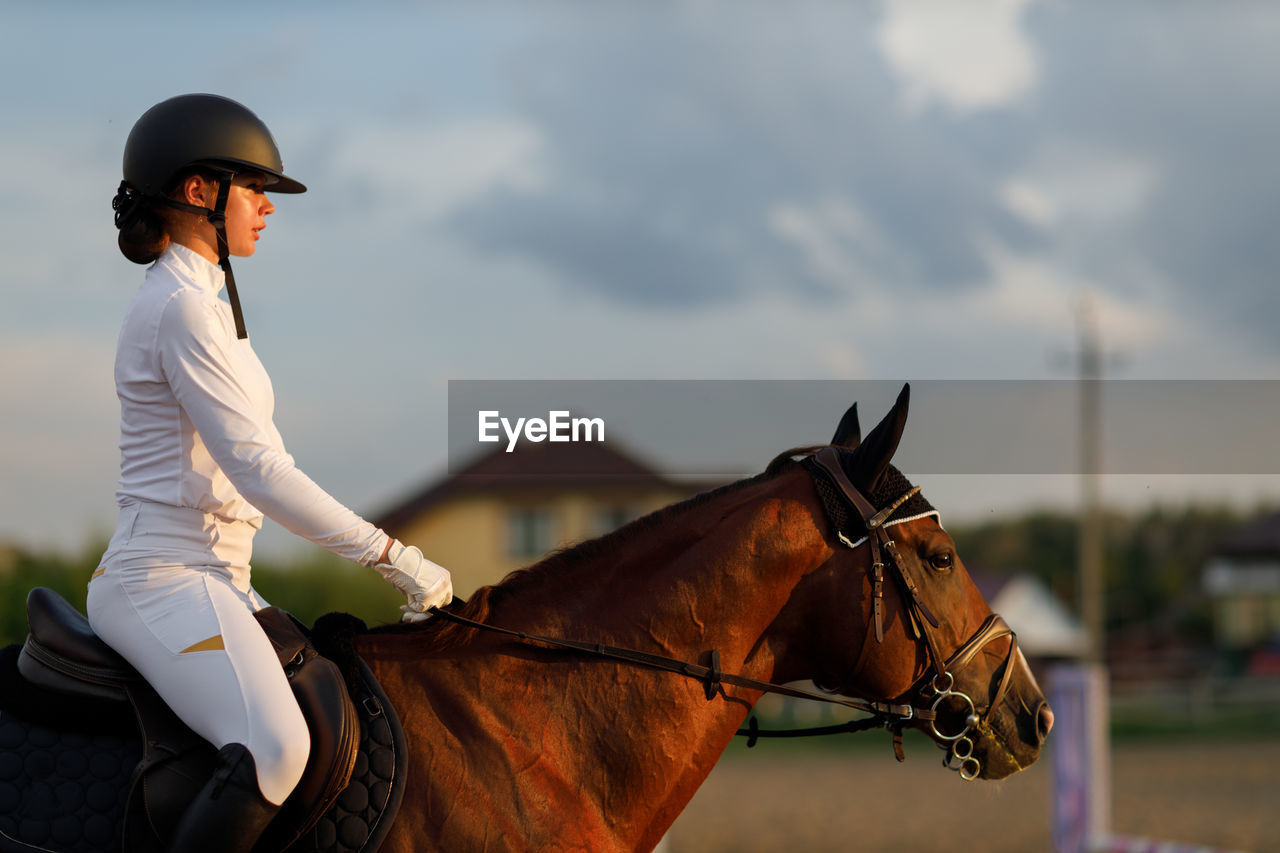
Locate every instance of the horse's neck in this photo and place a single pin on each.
(620, 750)
(712, 576)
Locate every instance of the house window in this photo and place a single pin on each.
(528, 532)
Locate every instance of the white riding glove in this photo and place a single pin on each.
(424, 583)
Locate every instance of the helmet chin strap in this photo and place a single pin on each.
(217, 217)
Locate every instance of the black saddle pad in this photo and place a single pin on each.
(62, 790)
(64, 780)
(64, 768)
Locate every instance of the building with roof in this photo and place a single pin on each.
(1242, 577)
(504, 511)
(1046, 629)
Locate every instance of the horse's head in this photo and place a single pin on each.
(905, 625)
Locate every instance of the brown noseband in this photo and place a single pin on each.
(923, 623)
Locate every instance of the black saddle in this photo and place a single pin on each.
(66, 693)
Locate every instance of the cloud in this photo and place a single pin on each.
(1151, 160)
(640, 190)
(1035, 293)
(967, 55)
(1081, 186)
(690, 165)
(837, 240)
(429, 171)
(613, 251)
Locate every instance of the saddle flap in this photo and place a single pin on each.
(322, 695)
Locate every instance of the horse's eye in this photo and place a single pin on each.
(942, 562)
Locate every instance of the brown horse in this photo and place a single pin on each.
(516, 746)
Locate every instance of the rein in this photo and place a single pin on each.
(890, 715)
(712, 677)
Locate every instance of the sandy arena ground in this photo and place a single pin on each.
(1219, 795)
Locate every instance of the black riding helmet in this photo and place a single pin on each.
(209, 131)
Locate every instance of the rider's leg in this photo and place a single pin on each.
(229, 813)
(192, 635)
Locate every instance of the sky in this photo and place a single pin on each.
(712, 190)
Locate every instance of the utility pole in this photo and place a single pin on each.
(1090, 357)
(1081, 803)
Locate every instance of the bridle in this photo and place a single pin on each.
(940, 688)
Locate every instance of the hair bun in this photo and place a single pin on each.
(125, 204)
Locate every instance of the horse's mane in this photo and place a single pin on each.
(519, 582)
(442, 634)
(617, 540)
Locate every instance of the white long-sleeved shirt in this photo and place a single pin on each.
(196, 408)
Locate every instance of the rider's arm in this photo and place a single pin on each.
(227, 397)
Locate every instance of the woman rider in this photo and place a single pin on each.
(202, 462)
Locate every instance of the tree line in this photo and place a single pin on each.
(309, 585)
(1154, 560)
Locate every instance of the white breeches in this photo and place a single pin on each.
(172, 596)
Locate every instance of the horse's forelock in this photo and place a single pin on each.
(790, 456)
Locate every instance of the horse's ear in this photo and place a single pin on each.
(849, 433)
(872, 457)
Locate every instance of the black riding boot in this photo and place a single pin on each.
(229, 813)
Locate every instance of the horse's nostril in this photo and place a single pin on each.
(1044, 722)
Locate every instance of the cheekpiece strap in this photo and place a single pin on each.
(828, 460)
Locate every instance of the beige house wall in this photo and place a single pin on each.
(469, 535)
(462, 537)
